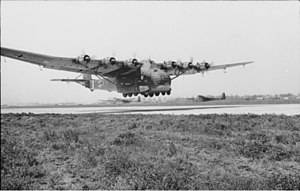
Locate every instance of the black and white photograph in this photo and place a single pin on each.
(156, 95)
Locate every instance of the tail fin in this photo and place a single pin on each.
(223, 96)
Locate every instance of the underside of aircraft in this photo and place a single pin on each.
(129, 77)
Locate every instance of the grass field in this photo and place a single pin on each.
(95, 151)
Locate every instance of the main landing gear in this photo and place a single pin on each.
(150, 94)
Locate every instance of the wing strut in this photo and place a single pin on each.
(102, 77)
(177, 75)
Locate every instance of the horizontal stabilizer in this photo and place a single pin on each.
(69, 80)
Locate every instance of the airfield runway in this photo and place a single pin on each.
(287, 109)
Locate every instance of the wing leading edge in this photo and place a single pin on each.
(224, 66)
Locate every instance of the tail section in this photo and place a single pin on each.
(90, 83)
(223, 96)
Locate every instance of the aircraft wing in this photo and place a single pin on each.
(58, 63)
(224, 66)
(177, 69)
(87, 66)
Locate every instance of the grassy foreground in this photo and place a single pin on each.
(95, 151)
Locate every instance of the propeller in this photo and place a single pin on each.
(190, 64)
(207, 65)
(179, 64)
(131, 62)
(202, 66)
(112, 60)
(85, 57)
(134, 60)
(174, 64)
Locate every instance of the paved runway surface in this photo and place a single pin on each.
(287, 109)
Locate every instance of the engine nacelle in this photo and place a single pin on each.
(112, 60)
(173, 64)
(206, 65)
(179, 65)
(84, 59)
(202, 66)
(190, 65)
(132, 62)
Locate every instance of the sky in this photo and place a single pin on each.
(218, 32)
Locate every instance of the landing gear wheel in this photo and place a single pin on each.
(124, 95)
(169, 92)
(130, 94)
(145, 95)
(163, 93)
(135, 94)
(157, 93)
(151, 94)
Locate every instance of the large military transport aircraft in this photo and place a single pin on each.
(129, 77)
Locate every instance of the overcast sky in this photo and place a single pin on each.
(222, 32)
